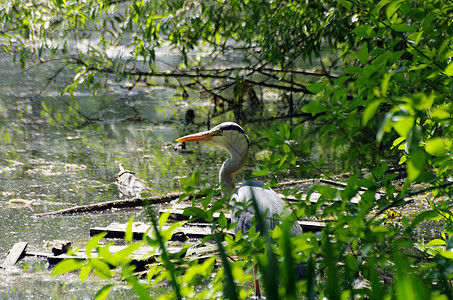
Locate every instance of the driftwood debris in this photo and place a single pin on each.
(16, 253)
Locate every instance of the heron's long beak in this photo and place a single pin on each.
(196, 137)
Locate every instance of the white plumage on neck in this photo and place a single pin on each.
(238, 148)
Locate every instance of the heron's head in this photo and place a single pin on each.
(228, 135)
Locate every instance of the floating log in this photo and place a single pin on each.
(16, 253)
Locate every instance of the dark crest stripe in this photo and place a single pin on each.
(235, 127)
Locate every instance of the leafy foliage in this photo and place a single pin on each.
(383, 98)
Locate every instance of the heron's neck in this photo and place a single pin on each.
(231, 166)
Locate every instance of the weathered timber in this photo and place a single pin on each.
(16, 253)
(117, 230)
(140, 258)
(178, 214)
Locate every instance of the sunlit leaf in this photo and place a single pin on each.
(435, 146)
(370, 111)
(93, 243)
(103, 292)
(67, 265)
(392, 8)
(129, 234)
(403, 124)
(437, 242)
(415, 164)
(101, 268)
(84, 272)
(425, 215)
(449, 70)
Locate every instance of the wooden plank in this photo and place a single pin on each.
(140, 258)
(116, 230)
(15, 254)
(177, 214)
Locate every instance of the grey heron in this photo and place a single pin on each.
(231, 137)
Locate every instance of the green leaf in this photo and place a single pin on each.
(385, 126)
(103, 292)
(392, 8)
(195, 212)
(314, 108)
(222, 221)
(370, 111)
(437, 242)
(326, 191)
(363, 54)
(379, 171)
(435, 146)
(364, 31)
(415, 164)
(315, 88)
(422, 102)
(260, 173)
(449, 70)
(101, 268)
(415, 37)
(93, 243)
(346, 4)
(66, 266)
(447, 254)
(403, 28)
(425, 215)
(403, 124)
(413, 138)
(128, 234)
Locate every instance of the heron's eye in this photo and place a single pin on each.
(218, 132)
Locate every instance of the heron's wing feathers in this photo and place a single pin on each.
(270, 205)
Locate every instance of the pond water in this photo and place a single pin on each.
(46, 167)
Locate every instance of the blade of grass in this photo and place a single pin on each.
(165, 257)
(229, 289)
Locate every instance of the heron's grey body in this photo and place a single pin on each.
(269, 204)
